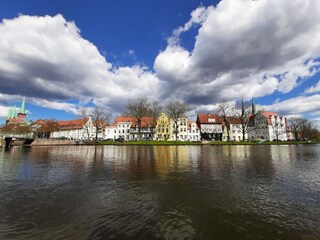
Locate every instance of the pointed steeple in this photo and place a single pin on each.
(22, 108)
(253, 107)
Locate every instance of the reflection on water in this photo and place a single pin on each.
(160, 192)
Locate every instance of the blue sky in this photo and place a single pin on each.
(64, 55)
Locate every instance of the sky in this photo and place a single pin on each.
(65, 55)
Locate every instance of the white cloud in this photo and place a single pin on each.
(244, 49)
(46, 58)
(299, 105)
(313, 89)
(197, 17)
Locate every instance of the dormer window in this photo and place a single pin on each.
(210, 120)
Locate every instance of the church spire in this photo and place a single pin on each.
(22, 108)
(253, 107)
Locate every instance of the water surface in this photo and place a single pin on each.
(160, 192)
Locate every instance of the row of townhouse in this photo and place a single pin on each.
(162, 128)
(77, 129)
(262, 125)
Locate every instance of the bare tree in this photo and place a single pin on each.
(155, 110)
(225, 110)
(85, 116)
(242, 111)
(99, 118)
(308, 130)
(138, 109)
(277, 128)
(176, 110)
(295, 125)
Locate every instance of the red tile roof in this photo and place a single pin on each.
(145, 122)
(72, 124)
(204, 119)
(234, 120)
(189, 124)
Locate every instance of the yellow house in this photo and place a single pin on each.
(163, 128)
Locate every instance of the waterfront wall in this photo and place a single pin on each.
(48, 142)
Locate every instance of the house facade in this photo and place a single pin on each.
(182, 130)
(127, 128)
(269, 126)
(193, 131)
(234, 126)
(163, 128)
(210, 127)
(78, 129)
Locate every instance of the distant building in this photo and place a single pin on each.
(163, 128)
(15, 117)
(193, 131)
(234, 125)
(77, 129)
(127, 128)
(210, 126)
(182, 130)
(268, 126)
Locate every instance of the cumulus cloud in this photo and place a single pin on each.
(297, 106)
(244, 49)
(47, 58)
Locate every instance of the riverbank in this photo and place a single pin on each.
(201, 143)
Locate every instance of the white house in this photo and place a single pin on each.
(269, 126)
(182, 134)
(126, 127)
(193, 131)
(78, 129)
(235, 129)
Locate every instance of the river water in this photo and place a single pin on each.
(160, 192)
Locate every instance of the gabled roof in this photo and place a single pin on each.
(191, 122)
(72, 124)
(208, 119)
(268, 116)
(145, 121)
(234, 120)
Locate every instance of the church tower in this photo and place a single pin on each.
(17, 118)
(21, 116)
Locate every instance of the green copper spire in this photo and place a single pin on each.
(22, 108)
(253, 107)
